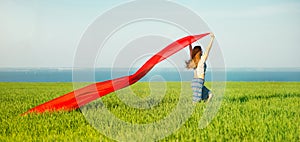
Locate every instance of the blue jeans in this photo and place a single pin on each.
(200, 92)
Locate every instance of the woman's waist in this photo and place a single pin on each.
(202, 76)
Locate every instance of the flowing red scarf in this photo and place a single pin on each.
(80, 97)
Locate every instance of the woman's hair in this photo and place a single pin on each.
(196, 55)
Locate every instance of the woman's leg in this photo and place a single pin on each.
(209, 97)
(206, 94)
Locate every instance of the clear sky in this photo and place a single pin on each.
(252, 34)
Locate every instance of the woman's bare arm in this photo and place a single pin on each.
(191, 50)
(205, 55)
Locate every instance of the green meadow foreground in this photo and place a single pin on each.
(250, 111)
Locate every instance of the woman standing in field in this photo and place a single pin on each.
(197, 62)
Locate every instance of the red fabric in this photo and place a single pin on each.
(80, 97)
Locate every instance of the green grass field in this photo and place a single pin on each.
(250, 111)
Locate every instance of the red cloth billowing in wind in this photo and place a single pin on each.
(80, 97)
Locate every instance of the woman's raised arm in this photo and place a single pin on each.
(191, 50)
(205, 55)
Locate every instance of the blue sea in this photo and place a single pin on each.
(161, 74)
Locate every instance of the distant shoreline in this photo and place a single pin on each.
(158, 68)
(156, 74)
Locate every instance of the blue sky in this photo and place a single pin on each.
(252, 34)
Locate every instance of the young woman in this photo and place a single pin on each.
(197, 62)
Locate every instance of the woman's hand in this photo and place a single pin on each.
(212, 35)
